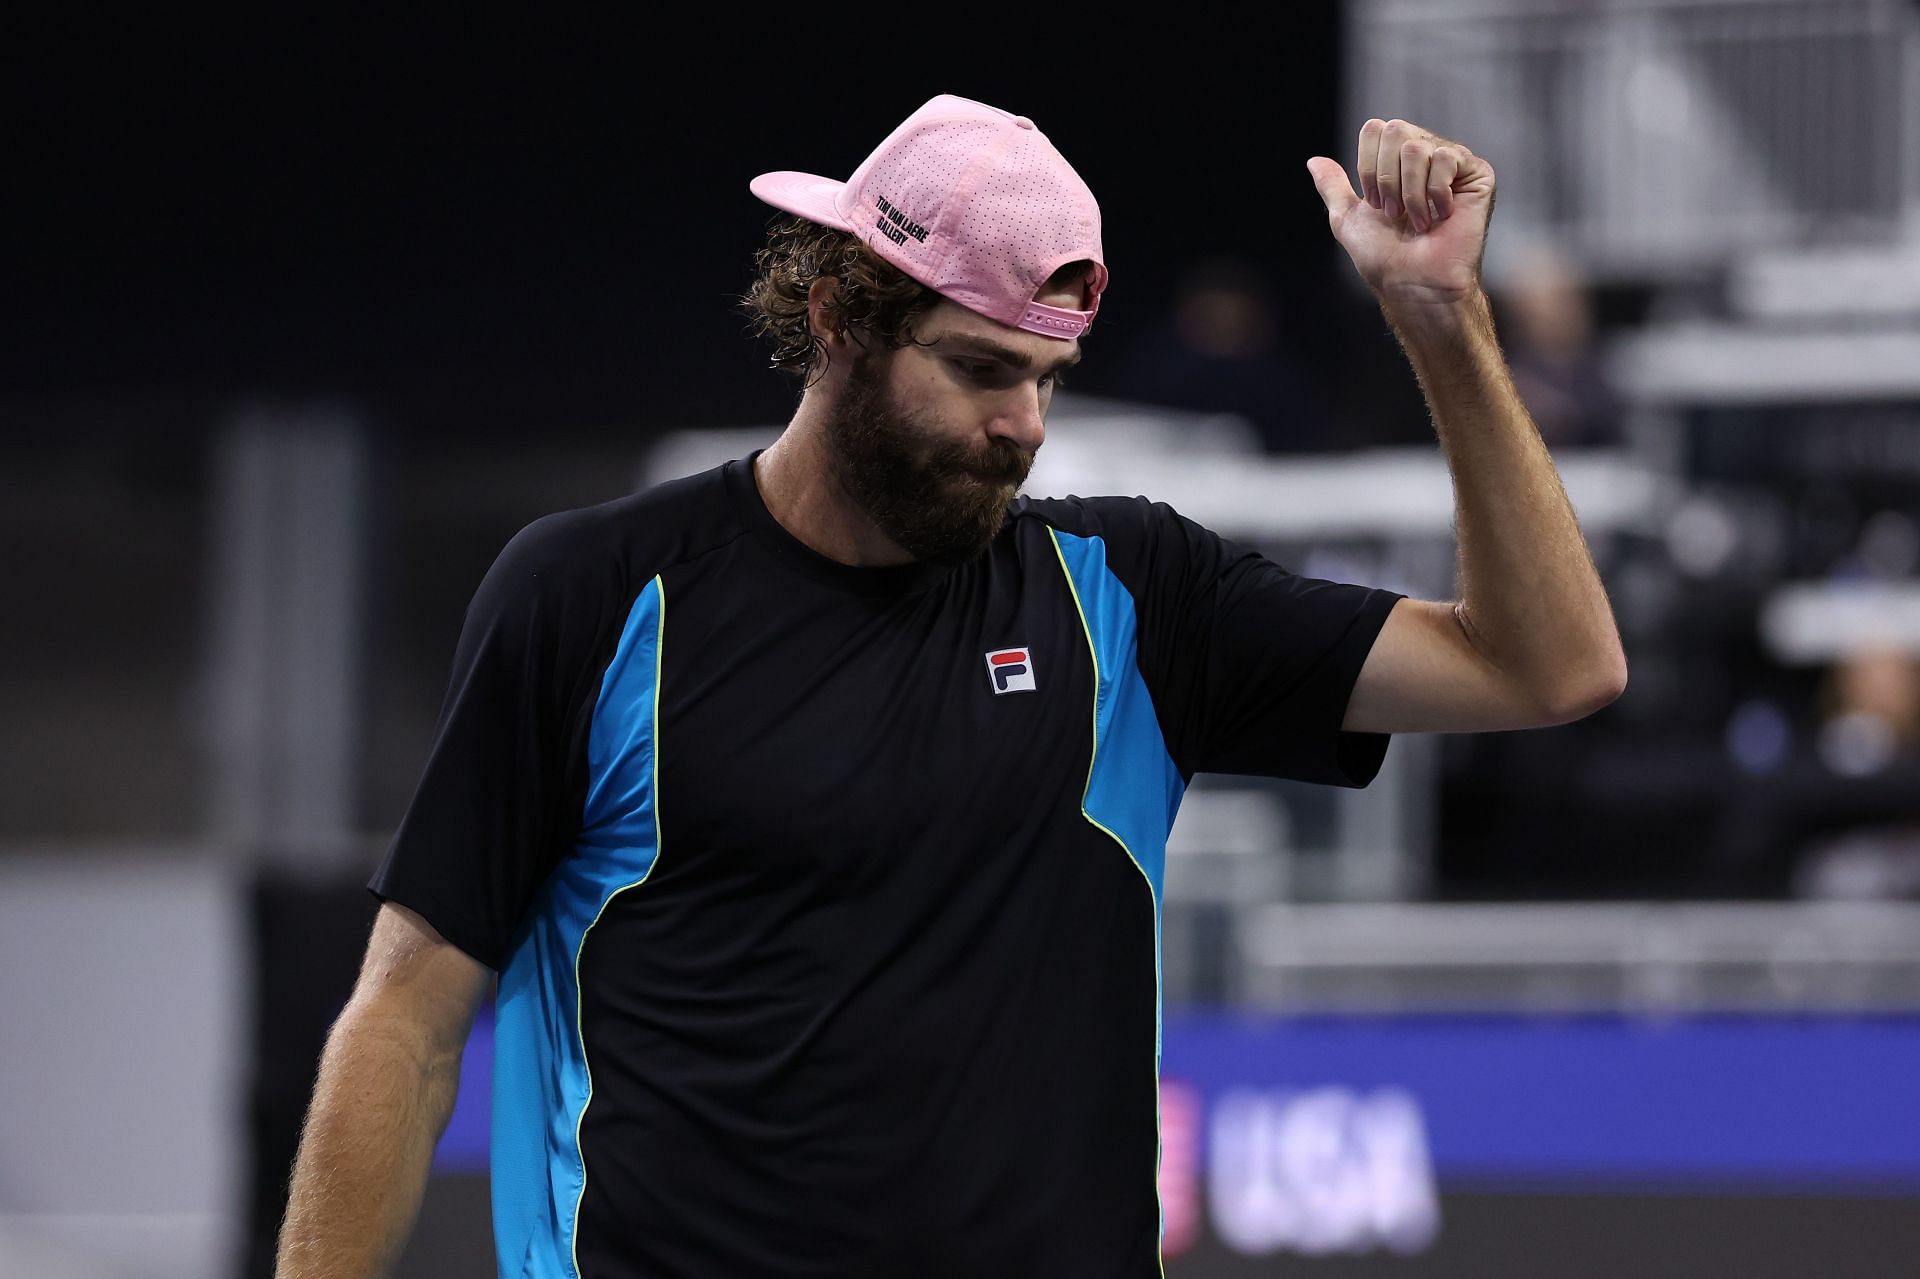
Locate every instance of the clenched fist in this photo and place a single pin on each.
(1418, 233)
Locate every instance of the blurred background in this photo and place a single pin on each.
(306, 315)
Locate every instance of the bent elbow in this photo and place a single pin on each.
(1599, 688)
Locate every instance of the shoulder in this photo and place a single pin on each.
(1156, 552)
(1126, 517)
(639, 535)
(1132, 529)
(611, 550)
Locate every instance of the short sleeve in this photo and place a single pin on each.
(1250, 666)
(499, 800)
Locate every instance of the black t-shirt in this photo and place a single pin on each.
(825, 899)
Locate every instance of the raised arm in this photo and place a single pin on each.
(385, 1091)
(1531, 641)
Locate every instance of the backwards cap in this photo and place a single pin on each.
(971, 201)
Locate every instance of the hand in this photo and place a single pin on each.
(1418, 235)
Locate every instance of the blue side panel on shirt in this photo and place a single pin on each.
(1135, 789)
(541, 1078)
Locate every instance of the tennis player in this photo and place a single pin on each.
(811, 812)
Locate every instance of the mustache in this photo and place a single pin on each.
(1001, 462)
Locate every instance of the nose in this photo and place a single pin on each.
(1020, 421)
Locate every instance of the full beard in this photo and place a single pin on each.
(935, 498)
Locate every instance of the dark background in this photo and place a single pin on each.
(468, 223)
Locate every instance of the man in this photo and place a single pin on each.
(812, 810)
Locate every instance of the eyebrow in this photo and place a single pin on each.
(1005, 354)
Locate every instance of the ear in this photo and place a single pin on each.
(821, 321)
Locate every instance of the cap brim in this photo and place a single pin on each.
(805, 195)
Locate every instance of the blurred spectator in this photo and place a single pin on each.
(1837, 812)
(1870, 731)
(1222, 349)
(1872, 711)
(1547, 327)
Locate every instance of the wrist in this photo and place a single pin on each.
(1425, 304)
(1427, 317)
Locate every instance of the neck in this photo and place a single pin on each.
(797, 482)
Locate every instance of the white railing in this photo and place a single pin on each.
(1556, 957)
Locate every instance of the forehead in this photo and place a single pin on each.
(951, 324)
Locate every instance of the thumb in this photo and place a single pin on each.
(1331, 181)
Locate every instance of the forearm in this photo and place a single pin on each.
(1531, 600)
(380, 1104)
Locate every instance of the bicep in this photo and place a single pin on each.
(413, 978)
(1423, 675)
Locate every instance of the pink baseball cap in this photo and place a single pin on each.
(971, 201)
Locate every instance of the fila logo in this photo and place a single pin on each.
(1011, 670)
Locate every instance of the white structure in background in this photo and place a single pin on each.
(1658, 959)
(1647, 138)
(122, 1056)
(1775, 143)
(283, 676)
(124, 970)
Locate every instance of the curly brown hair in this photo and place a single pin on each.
(874, 297)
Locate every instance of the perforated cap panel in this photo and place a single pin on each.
(972, 201)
